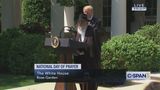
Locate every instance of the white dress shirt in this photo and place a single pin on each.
(82, 32)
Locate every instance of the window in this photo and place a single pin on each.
(151, 13)
(106, 13)
(151, 7)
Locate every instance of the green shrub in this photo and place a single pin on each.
(27, 50)
(151, 32)
(131, 52)
(34, 28)
(69, 3)
(37, 11)
(19, 51)
(6, 39)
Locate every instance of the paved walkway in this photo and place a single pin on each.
(152, 84)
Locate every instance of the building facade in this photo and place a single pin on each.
(119, 18)
(10, 13)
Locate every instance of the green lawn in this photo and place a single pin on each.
(12, 81)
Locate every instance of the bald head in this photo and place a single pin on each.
(88, 10)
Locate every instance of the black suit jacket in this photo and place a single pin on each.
(93, 22)
(87, 60)
(96, 24)
(88, 40)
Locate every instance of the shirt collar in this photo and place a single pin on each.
(90, 18)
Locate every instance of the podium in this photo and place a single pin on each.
(64, 47)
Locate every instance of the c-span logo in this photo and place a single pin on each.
(138, 75)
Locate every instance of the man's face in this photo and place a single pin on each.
(88, 12)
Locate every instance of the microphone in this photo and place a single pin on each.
(73, 30)
(67, 29)
(70, 29)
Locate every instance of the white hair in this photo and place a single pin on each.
(88, 7)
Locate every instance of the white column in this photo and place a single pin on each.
(57, 18)
(158, 11)
(68, 16)
(118, 17)
(11, 13)
(60, 16)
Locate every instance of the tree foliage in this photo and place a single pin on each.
(36, 11)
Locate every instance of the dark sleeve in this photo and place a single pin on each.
(89, 31)
(96, 33)
(89, 35)
(95, 23)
